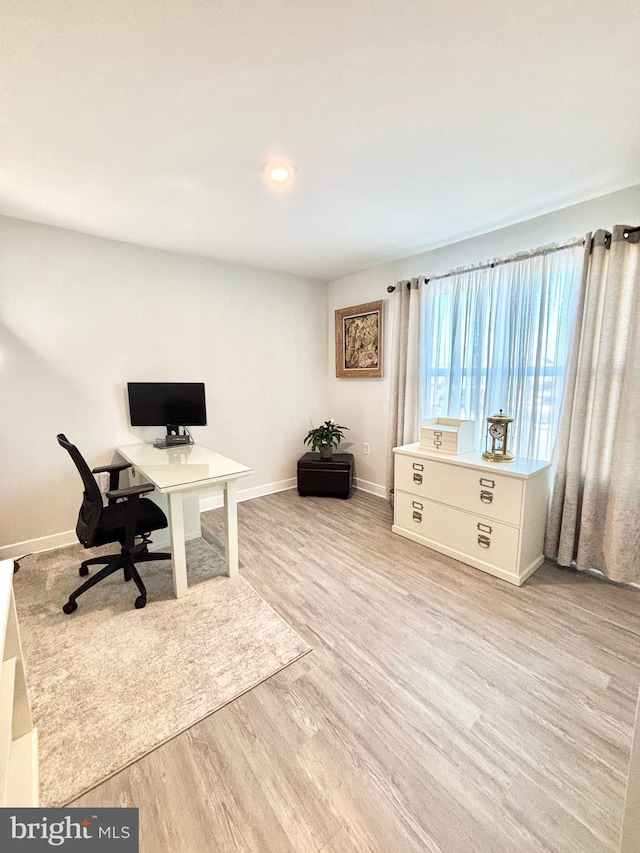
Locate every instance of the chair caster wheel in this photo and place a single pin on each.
(141, 600)
(70, 606)
(84, 571)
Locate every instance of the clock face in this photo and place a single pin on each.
(496, 431)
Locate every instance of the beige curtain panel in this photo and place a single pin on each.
(594, 517)
(402, 426)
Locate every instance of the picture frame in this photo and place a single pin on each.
(359, 341)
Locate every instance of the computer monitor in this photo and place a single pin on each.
(169, 404)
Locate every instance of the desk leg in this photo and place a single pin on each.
(176, 531)
(231, 527)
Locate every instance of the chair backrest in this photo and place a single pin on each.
(91, 509)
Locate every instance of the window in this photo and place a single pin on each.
(499, 338)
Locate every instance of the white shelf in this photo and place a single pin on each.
(18, 737)
(23, 772)
(7, 685)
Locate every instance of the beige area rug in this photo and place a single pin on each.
(110, 683)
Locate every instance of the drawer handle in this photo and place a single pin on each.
(437, 443)
(417, 505)
(490, 484)
(436, 433)
(484, 541)
(486, 497)
(485, 528)
(417, 516)
(417, 478)
(418, 466)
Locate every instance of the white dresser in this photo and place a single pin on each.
(490, 515)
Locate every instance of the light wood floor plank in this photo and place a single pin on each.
(441, 709)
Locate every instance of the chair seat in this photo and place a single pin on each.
(111, 527)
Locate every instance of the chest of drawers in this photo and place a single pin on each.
(486, 514)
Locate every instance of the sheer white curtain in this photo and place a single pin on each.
(594, 518)
(498, 337)
(402, 427)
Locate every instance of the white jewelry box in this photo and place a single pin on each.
(447, 435)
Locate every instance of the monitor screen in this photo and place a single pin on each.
(167, 404)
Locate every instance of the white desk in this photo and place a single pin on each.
(181, 471)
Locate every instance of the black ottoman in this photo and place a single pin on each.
(326, 478)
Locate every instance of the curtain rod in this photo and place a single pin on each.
(521, 256)
(627, 231)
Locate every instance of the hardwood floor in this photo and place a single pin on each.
(441, 709)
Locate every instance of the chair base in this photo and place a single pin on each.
(126, 561)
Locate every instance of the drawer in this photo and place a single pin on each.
(447, 435)
(477, 537)
(434, 439)
(475, 490)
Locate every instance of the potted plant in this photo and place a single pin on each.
(325, 438)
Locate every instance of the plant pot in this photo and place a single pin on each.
(326, 451)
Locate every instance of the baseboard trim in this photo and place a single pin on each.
(43, 543)
(371, 488)
(216, 501)
(62, 540)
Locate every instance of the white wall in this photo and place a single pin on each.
(361, 404)
(80, 316)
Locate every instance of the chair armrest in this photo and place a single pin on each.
(132, 507)
(115, 466)
(114, 472)
(130, 491)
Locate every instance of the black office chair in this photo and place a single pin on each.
(125, 517)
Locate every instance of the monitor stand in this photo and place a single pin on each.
(173, 438)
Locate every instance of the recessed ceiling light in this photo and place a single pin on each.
(280, 173)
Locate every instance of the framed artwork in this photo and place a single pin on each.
(359, 341)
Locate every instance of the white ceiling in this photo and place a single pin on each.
(413, 123)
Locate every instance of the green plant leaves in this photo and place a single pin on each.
(330, 433)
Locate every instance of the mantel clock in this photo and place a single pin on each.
(497, 438)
